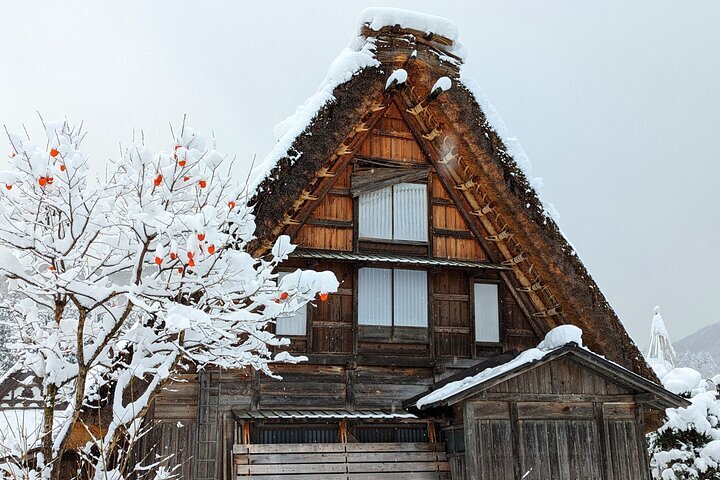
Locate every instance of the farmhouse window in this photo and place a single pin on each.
(487, 313)
(292, 324)
(397, 212)
(392, 297)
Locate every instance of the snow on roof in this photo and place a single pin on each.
(555, 339)
(352, 59)
(378, 17)
(360, 54)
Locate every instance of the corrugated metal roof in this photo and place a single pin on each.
(390, 258)
(320, 414)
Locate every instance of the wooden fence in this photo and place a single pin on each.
(342, 461)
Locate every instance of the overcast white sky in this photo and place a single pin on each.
(616, 103)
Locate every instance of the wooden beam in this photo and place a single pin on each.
(433, 156)
(471, 442)
(453, 233)
(322, 222)
(336, 166)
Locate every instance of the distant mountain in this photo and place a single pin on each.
(700, 350)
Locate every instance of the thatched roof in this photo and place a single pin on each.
(470, 156)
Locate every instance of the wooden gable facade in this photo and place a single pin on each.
(470, 239)
(389, 155)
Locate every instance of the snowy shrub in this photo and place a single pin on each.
(117, 283)
(687, 446)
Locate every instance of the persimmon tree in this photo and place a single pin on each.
(122, 281)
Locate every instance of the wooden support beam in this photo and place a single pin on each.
(335, 166)
(444, 176)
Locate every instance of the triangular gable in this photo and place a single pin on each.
(568, 370)
(390, 153)
(496, 201)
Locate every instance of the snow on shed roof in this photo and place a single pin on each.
(560, 340)
(556, 338)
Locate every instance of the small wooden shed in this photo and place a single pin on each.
(566, 414)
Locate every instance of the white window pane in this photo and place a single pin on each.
(410, 211)
(375, 211)
(410, 305)
(374, 296)
(292, 323)
(487, 317)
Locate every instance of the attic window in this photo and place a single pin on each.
(397, 212)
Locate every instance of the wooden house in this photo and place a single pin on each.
(449, 266)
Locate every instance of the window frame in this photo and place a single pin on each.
(500, 309)
(395, 333)
(392, 239)
(305, 307)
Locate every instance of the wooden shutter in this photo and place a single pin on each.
(487, 317)
(374, 296)
(375, 213)
(410, 216)
(410, 305)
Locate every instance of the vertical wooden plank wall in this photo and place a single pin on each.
(564, 439)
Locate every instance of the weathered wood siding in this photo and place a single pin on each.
(558, 421)
(451, 233)
(392, 139)
(330, 227)
(332, 321)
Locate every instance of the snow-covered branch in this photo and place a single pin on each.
(121, 281)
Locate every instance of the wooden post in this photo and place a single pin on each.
(516, 443)
(255, 399)
(246, 433)
(343, 431)
(602, 436)
(642, 443)
(471, 445)
(432, 435)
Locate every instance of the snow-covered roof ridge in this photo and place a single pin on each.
(358, 55)
(378, 17)
(351, 60)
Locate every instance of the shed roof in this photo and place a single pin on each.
(497, 369)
